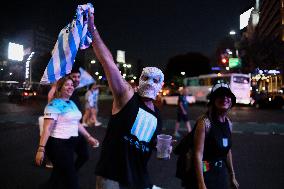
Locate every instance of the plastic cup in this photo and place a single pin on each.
(164, 146)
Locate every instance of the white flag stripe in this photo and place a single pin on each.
(76, 37)
(56, 62)
(139, 123)
(152, 126)
(67, 53)
(144, 128)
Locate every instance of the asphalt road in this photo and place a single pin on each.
(258, 158)
(258, 161)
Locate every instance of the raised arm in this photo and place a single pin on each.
(120, 89)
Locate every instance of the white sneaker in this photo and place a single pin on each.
(98, 124)
(49, 165)
(156, 187)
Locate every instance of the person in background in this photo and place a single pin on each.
(59, 139)
(82, 147)
(182, 112)
(91, 106)
(212, 142)
(133, 126)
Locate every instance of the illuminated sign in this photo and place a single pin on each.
(120, 56)
(27, 72)
(234, 62)
(244, 18)
(15, 51)
(216, 68)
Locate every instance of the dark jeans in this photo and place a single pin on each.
(215, 178)
(61, 154)
(82, 152)
(182, 117)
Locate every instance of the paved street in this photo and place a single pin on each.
(258, 156)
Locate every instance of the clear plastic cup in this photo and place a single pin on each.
(164, 146)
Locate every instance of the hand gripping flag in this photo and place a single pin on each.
(70, 38)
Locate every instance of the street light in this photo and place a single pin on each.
(232, 32)
(182, 73)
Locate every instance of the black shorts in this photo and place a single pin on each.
(182, 117)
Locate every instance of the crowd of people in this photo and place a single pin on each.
(132, 130)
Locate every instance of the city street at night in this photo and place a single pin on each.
(258, 143)
(151, 87)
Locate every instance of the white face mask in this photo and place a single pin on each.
(150, 82)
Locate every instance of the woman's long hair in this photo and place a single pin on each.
(59, 85)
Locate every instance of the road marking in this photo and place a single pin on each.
(261, 133)
(21, 122)
(237, 132)
(251, 123)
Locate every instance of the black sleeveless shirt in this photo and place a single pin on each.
(218, 141)
(127, 146)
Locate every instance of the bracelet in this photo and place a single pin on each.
(41, 146)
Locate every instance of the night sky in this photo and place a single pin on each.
(150, 30)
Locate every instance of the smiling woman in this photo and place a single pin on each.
(59, 139)
(212, 142)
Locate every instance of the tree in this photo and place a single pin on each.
(192, 63)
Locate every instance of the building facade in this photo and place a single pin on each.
(262, 46)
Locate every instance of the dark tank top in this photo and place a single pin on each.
(128, 143)
(218, 141)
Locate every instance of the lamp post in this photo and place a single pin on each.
(233, 35)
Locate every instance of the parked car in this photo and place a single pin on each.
(21, 94)
(172, 99)
(263, 100)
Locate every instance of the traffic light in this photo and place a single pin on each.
(225, 60)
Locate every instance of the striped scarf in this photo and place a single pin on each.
(70, 38)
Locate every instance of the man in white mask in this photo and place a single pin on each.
(150, 82)
(133, 125)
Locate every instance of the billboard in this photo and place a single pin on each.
(15, 51)
(244, 18)
(120, 56)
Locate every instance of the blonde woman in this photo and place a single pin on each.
(59, 138)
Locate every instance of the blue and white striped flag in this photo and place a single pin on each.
(70, 38)
(85, 78)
